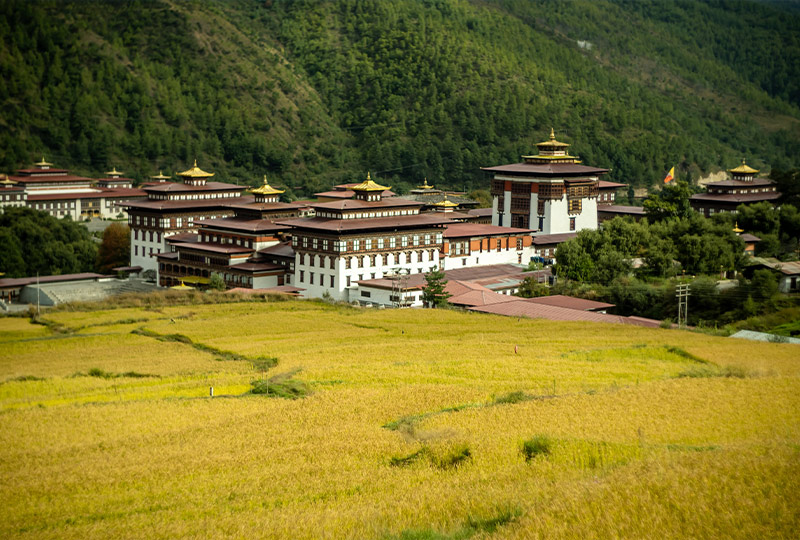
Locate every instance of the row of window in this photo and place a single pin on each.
(166, 223)
(219, 239)
(192, 196)
(12, 197)
(742, 191)
(367, 244)
(361, 260)
(145, 234)
(367, 215)
(53, 206)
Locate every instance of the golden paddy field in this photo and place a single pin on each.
(414, 427)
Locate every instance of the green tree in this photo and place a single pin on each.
(531, 288)
(671, 202)
(216, 282)
(433, 292)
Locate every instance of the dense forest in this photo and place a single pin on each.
(314, 93)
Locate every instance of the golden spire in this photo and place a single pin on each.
(267, 189)
(445, 203)
(195, 172)
(6, 181)
(736, 228)
(160, 176)
(743, 169)
(114, 172)
(369, 185)
(552, 134)
(43, 163)
(425, 185)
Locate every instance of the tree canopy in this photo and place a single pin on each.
(34, 242)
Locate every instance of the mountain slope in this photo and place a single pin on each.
(314, 93)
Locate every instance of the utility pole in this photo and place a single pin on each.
(682, 292)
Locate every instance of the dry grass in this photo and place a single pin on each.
(635, 451)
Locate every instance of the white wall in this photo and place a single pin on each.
(340, 290)
(485, 258)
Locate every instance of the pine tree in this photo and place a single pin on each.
(433, 293)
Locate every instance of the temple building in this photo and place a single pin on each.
(475, 244)
(174, 208)
(550, 193)
(742, 188)
(432, 197)
(365, 237)
(11, 194)
(248, 250)
(61, 194)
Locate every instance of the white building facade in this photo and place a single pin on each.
(549, 193)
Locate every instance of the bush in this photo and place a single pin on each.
(540, 445)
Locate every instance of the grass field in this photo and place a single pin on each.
(410, 424)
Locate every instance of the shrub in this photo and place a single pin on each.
(540, 445)
(450, 457)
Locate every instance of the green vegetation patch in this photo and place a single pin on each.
(444, 457)
(711, 370)
(281, 386)
(474, 525)
(101, 374)
(261, 363)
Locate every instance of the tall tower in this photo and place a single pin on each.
(551, 192)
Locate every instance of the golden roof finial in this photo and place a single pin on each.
(369, 185)
(43, 163)
(446, 203)
(736, 228)
(552, 134)
(267, 189)
(195, 172)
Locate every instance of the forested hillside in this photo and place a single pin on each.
(314, 93)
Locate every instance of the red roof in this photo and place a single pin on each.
(358, 204)
(480, 212)
(547, 239)
(102, 193)
(174, 187)
(250, 225)
(471, 230)
(605, 184)
(38, 170)
(523, 308)
(742, 183)
(547, 169)
(348, 193)
(571, 302)
(257, 267)
(63, 178)
(621, 209)
(215, 248)
(489, 273)
(465, 293)
(736, 197)
(205, 204)
(281, 249)
(346, 225)
(21, 282)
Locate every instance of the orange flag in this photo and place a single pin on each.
(670, 176)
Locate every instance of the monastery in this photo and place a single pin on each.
(742, 188)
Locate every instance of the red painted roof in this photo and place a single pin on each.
(215, 248)
(605, 184)
(471, 230)
(736, 197)
(547, 169)
(21, 282)
(547, 239)
(358, 204)
(173, 187)
(348, 193)
(176, 206)
(346, 225)
(480, 212)
(250, 225)
(621, 209)
(56, 178)
(570, 302)
(282, 249)
(742, 183)
(523, 308)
